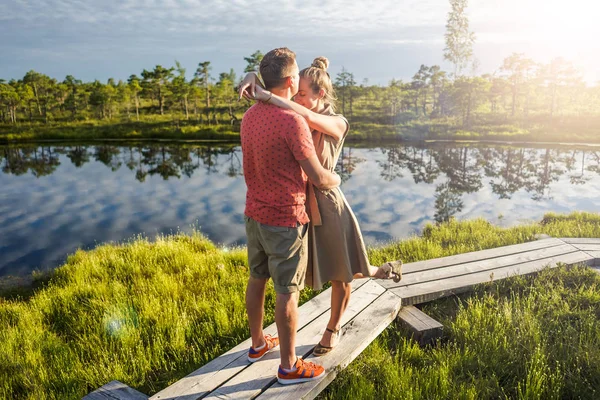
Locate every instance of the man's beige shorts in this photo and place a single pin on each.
(278, 252)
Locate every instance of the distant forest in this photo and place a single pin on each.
(521, 88)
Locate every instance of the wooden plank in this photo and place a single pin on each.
(424, 292)
(596, 255)
(479, 255)
(360, 332)
(423, 328)
(115, 390)
(477, 266)
(587, 246)
(581, 240)
(213, 374)
(257, 377)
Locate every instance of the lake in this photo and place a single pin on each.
(55, 198)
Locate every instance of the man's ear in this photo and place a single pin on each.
(288, 82)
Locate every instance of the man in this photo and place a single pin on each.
(278, 154)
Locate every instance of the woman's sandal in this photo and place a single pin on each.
(321, 350)
(395, 269)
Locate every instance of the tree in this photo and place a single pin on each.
(253, 61)
(437, 80)
(203, 75)
(181, 89)
(559, 75)
(158, 81)
(226, 92)
(469, 93)
(420, 84)
(71, 100)
(135, 88)
(9, 99)
(519, 69)
(344, 82)
(459, 41)
(42, 86)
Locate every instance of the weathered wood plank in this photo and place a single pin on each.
(581, 240)
(115, 390)
(586, 246)
(359, 333)
(477, 266)
(257, 377)
(213, 374)
(427, 291)
(424, 329)
(596, 255)
(478, 255)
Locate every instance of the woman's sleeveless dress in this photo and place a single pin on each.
(336, 247)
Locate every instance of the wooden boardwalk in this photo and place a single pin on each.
(373, 306)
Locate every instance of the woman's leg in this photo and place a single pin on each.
(340, 296)
(375, 272)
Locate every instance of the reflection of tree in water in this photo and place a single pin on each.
(14, 161)
(347, 164)
(543, 174)
(396, 160)
(41, 161)
(44, 162)
(182, 158)
(165, 166)
(107, 155)
(78, 155)
(462, 167)
(509, 169)
(448, 202)
(208, 155)
(595, 166)
(578, 177)
(422, 165)
(235, 165)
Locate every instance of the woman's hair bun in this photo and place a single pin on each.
(321, 63)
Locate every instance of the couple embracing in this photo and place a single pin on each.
(298, 222)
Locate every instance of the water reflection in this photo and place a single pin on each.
(56, 198)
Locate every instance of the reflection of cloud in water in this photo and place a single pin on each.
(42, 220)
(45, 219)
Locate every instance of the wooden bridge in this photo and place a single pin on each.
(373, 306)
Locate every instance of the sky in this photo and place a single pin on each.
(375, 40)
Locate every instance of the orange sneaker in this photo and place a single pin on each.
(305, 371)
(255, 355)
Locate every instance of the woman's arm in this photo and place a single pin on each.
(248, 86)
(330, 125)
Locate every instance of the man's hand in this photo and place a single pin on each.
(319, 176)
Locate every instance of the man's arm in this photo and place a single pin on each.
(319, 176)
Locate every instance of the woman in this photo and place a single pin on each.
(331, 218)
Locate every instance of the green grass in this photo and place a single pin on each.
(523, 338)
(149, 312)
(150, 128)
(364, 125)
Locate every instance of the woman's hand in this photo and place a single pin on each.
(262, 94)
(248, 86)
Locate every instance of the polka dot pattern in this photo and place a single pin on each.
(273, 141)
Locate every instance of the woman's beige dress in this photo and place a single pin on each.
(336, 247)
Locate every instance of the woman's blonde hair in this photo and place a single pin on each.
(320, 80)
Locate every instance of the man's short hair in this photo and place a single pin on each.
(277, 65)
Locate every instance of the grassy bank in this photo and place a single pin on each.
(363, 127)
(149, 312)
(155, 128)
